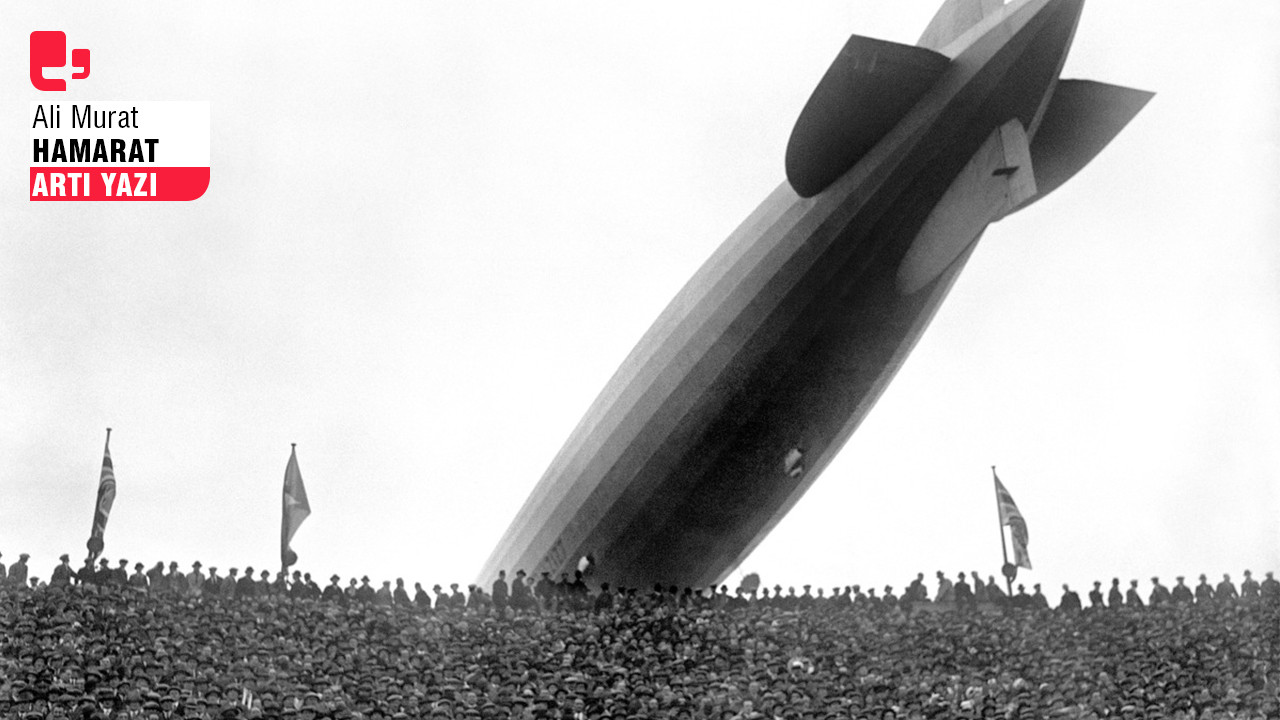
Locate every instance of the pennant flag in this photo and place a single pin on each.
(296, 508)
(1010, 516)
(106, 497)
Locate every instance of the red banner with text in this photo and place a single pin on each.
(118, 183)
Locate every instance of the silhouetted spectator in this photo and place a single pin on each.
(62, 575)
(499, 594)
(1131, 596)
(247, 587)
(1181, 594)
(1249, 588)
(18, 570)
(138, 580)
(1115, 598)
(1070, 601)
(1226, 590)
(1204, 592)
(1160, 594)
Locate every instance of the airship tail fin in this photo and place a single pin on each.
(1082, 118)
(953, 19)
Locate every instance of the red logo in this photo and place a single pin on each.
(49, 50)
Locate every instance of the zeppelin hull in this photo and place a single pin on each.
(766, 362)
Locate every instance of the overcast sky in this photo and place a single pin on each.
(434, 230)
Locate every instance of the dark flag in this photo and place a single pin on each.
(1010, 516)
(296, 508)
(106, 497)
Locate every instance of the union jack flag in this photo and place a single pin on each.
(106, 497)
(1010, 516)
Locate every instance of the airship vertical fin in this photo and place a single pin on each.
(953, 19)
(997, 178)
(1082, 118)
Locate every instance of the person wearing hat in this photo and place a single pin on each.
(604, 600)
(62, 574)
(1249, 587)
(806, 598)
(195, 581)
(1115, 598)
(1269, 589)
(1181, 594)
(1204, 591)
(312, 589)
(247, 587)
(500, 592)
(86, 575)
(230, 585)
(1160, 594)
(333, 591)
(545, 591)
(102, 576)
(1096, 595)
(442, 600)
(457, 600)
(18, 571)
(1226, 590)
(520, 597)
(120, 575)
(297, 590)
(1132, 598)
(365, 593)
(1038, 600)
(421, 598)
(383, 597)
(962, 593)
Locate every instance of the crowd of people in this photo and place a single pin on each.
(100, 642)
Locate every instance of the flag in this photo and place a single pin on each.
(1010, 516)
(296, 508)
(106, 497)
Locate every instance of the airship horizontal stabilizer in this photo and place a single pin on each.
(868, 88)
(1082, 118)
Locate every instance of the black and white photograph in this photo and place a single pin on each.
(587, 361)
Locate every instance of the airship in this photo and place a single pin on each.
(765, 363)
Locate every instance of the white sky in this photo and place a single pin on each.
(434, 230)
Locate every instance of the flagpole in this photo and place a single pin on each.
(1004, 549)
